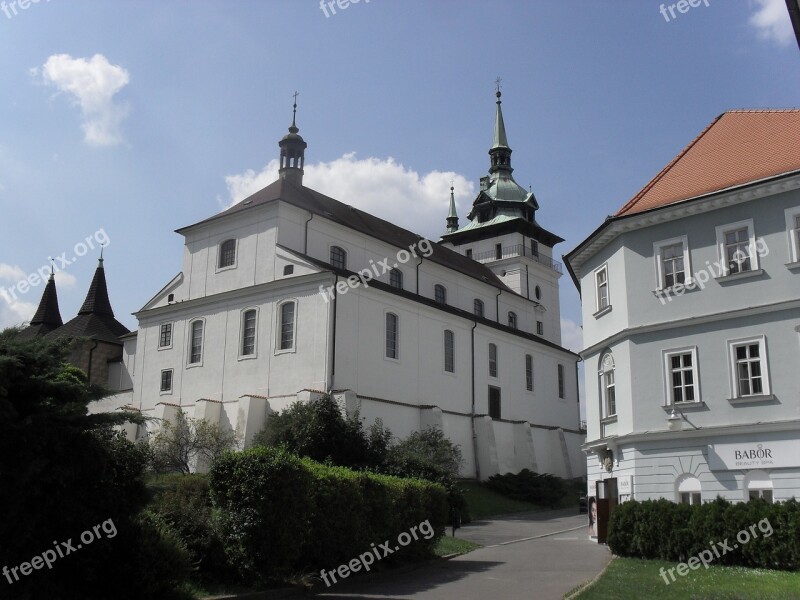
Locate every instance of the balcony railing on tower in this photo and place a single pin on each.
(517, 250)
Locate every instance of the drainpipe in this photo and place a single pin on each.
(472, 413)
(497, 305)
(89, 370)
(418, 264)
(305, 242)
(527, 282)
(333, 337)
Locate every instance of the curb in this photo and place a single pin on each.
(536, 537)
(590, 583)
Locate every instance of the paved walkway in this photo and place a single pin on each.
(530, 556)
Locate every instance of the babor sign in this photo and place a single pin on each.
(754, 455)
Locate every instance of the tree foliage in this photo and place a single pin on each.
(186, 442)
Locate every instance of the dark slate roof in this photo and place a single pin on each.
(361, 221)
(95, 319)
(48, 316)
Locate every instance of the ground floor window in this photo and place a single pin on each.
(688, 489)
(758, 485)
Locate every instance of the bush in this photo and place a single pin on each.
(279, 514)
(542, 489)
(660, 529)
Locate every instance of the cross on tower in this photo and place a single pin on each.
(497, 84)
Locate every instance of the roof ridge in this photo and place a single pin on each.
(632, 202)
(761, 110)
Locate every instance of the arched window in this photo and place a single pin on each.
(688, 489)
(392, 349)
(608, 390)
(227, 254)
(338, 257)
(757, 484)
(449, 351)
(396, 279)
(512, 319)
(492, 360)
(537, 292)
(249, 332)
(477, 307)
(440, 294)
(287, 326)
(196, 342)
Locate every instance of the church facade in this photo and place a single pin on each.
(291, 294)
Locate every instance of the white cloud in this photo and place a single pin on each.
(92, 84)
(11, 272)
(14, 312)
(571, 335)
(381, 187)
(771, 19)
(65, 280)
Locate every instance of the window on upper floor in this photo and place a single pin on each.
(477, 307)
(288, 269)
(529, 372)
(512, 319)
(680, 367)
(166, 380)
(602, 297)
(396, 278)
(248, 347)
(165, 335)
(227, 254)
(440, 294)
(449, 351)
(469, 252)
(736, 245)
(392, 347)
(287, 325)
(537, 291)
(196, 342)
(534, 248)
(561, 382)
(793, 232)
(749, 369)
(492, 360)
(608, 390)
(539, 328)
(672, 262)
(498, 251)
(338, 257)
(494, 402)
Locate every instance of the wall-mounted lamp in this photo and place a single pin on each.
(675, 420)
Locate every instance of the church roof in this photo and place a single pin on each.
(738, 147)
(360, 221)
(48, 316)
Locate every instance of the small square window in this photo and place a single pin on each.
(288, 269)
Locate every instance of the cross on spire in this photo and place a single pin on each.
(294, 107)
(497, 86)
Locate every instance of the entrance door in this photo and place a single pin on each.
(607, 500)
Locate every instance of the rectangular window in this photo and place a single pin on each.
(762, 494)
(690, 498)
(672, 262)
(793, 231)
(449, 351)
(249, 333)
(534, 248)
(391, 336)
(166, 380)
(498, 251)
(469, 252)
(681, 373)
(601, 284)
(196, 344)
(610, 389)
(494, 402)
(737, 244)
(492, 360)
(561, 382)
(529, 372)
(287, 326)
(165, 337)
(749, 374)
(539, 328)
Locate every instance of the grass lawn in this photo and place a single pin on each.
(453, 545)
(629, 578)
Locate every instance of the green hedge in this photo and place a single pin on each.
(542, 489)
(280, 514)
(660, 529)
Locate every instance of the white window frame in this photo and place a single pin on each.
(758, 481)
(595, 274)
(235, 254)
(667, 364)
(761, 340)
(242, 314)
(168, 392)
(658, 249)
(190, 331)
(396, 357)
(171, 335)
(690, 485)
(279, 326)
(604, 405)
(721, 230)
(793, 234)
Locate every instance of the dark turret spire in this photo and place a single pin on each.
(48, 315)
(452, 216)
(97, 302)
(293, 149)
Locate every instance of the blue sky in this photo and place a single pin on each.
(139, 117)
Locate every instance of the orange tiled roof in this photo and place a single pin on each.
(740, 146)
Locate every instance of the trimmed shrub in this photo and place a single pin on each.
(768, 534)
(543, 489)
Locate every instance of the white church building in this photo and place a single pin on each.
(290, 294)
